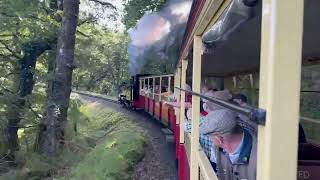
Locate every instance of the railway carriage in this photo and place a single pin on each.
(258, 48)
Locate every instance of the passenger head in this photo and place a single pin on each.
(188, 88)
(204, 86)
(156, 88)
(241, 99)
(224, 95)
(221, 125)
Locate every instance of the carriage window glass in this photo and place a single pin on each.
(246, 84)
(309, 102)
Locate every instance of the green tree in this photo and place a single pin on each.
(52, 133)
(27, 31)
(28, 39)
(102, 59)
(135, 9)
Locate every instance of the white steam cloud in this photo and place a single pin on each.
(158, 35)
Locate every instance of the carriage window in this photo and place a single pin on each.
(309, 104)
(247, 84)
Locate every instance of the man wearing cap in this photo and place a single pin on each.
(235, 148)
(205, 141)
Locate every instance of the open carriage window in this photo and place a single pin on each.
(309, 102)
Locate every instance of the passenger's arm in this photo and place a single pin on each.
(174, 104)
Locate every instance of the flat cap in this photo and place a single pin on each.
(224, 95)
(219, 122)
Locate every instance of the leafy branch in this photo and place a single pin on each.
(83, 34)
(109, 5)
(32, 110)
(10, 50)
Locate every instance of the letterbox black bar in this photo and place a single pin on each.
(257, 115)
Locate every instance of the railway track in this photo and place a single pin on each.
(96, 96)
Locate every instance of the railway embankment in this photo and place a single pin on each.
(159, 161)
(120, 145)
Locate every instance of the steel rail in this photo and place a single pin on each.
(95, 96)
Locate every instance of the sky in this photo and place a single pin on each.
(104, 13)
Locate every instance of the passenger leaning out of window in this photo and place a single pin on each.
(235, 148)
(205, 141)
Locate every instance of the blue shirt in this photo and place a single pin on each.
(233, 156)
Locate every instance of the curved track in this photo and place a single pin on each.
(159, 161)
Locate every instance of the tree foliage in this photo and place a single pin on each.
(102, 60)
(135, 9)
(29, 31)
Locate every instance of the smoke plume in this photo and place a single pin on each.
(158, 35)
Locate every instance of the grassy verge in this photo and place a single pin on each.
(100, 144)
(116, 153)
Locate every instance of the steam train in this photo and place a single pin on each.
(129, 95)
(148, 92)
(143, 94)
(256, 49)
(135, 96)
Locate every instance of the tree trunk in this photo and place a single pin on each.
(51, 135)
(32, 50)
(51, 67)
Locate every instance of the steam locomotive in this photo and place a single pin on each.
(129, 96)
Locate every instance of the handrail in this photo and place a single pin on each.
(204, 163)
(310, 120)
(309, 91)
(157, 76)
(257, 115)
(187, 144)
(206, 170)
